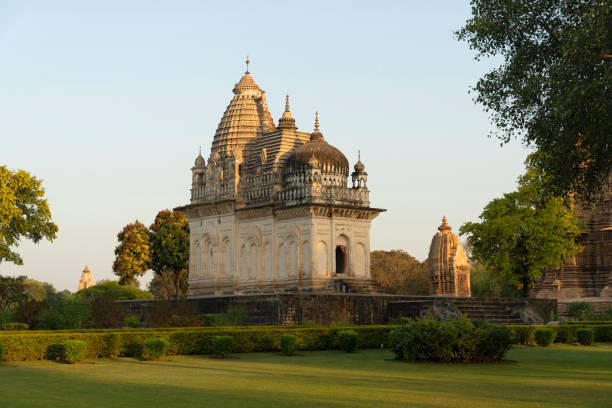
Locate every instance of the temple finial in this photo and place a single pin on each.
(247, 65)
(200, 150)
(316, 121)
(287, 103)
(358, 155)
(444, 226)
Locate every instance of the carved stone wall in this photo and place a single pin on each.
(449, 268)
(589, 273)
(271, 210)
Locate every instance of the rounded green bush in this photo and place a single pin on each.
(55, 352)
(544, 337)
(74, 350)
(132, 321)
(288, 344)
(585, 336)
(155, 347)
(347, 340)
(449, 341)
(14, 326)
(223, 345)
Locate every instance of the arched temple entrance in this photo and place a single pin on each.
(341, 259)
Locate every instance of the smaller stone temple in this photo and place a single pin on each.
(449, 268)
(86, 279)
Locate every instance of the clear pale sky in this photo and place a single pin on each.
(108, 101)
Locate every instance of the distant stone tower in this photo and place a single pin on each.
(449, 268)
(86, 279)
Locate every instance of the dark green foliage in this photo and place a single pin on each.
(449, 341)
(585, 336)
(112, 290)
(14, 326)
(223, 345)
(65, 314)
(347, 340)
(566, 334)
(74, 350)
(544, 337)
(12, 293)
(235, 316)
(105, 313)
(590, 322)
(519, 235)
(111, 346)
(602, 333)
(55, 352)
(6, 316)
(485, 284)
(288, 344)
(132, 321)
(155, 347)
(522, 334)
(398, 272)
(498, 342)
(579, 310)
(133, 348)
(30, 312)
(169, 240)
(552, 88)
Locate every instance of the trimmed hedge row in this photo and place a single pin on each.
(563, 334)
(590, 323)
(34, 345)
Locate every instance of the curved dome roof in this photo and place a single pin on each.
(199, 161)
(318, 150)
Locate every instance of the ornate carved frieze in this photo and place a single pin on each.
(248, 213)
(207, 210)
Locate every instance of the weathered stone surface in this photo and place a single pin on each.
(449, 268)
(86, 279)
(333, 308)
(270, 210)
(589, 273)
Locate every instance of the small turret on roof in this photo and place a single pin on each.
(286, 121)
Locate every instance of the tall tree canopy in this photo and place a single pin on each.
(169, 236)
(24, 213)
(399, 273)
(520, 234)
(554, 88)
(133, 254)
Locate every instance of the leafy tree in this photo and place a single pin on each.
(169, 239)
(133, 254)
(24, 213)
(399, 273)
(554, 88)
(163, 285)
(113, 290)
(12, 293)
(520, 235)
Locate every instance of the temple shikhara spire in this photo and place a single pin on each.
(86, 279)
(449, 268)
(271, 210)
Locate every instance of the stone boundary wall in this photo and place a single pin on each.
(599, 305)
(325, 309)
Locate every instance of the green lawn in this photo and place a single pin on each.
(559, 376)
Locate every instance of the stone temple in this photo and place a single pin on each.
(271, 211)
(86, 280)
(448, 265)
(589, 273)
